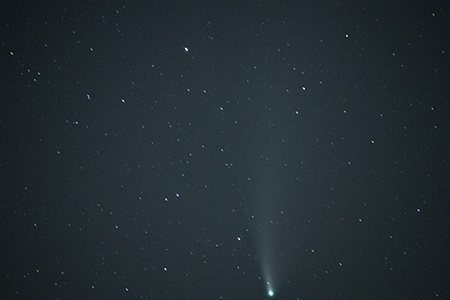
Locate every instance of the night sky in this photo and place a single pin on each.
(225, 149)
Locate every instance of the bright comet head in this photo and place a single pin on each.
(270, 292)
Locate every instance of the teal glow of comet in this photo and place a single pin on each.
(269, 288)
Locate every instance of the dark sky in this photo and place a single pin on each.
(200, 149)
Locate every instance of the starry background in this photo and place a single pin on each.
(173, 150)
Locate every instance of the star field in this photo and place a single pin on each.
(198, 150)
